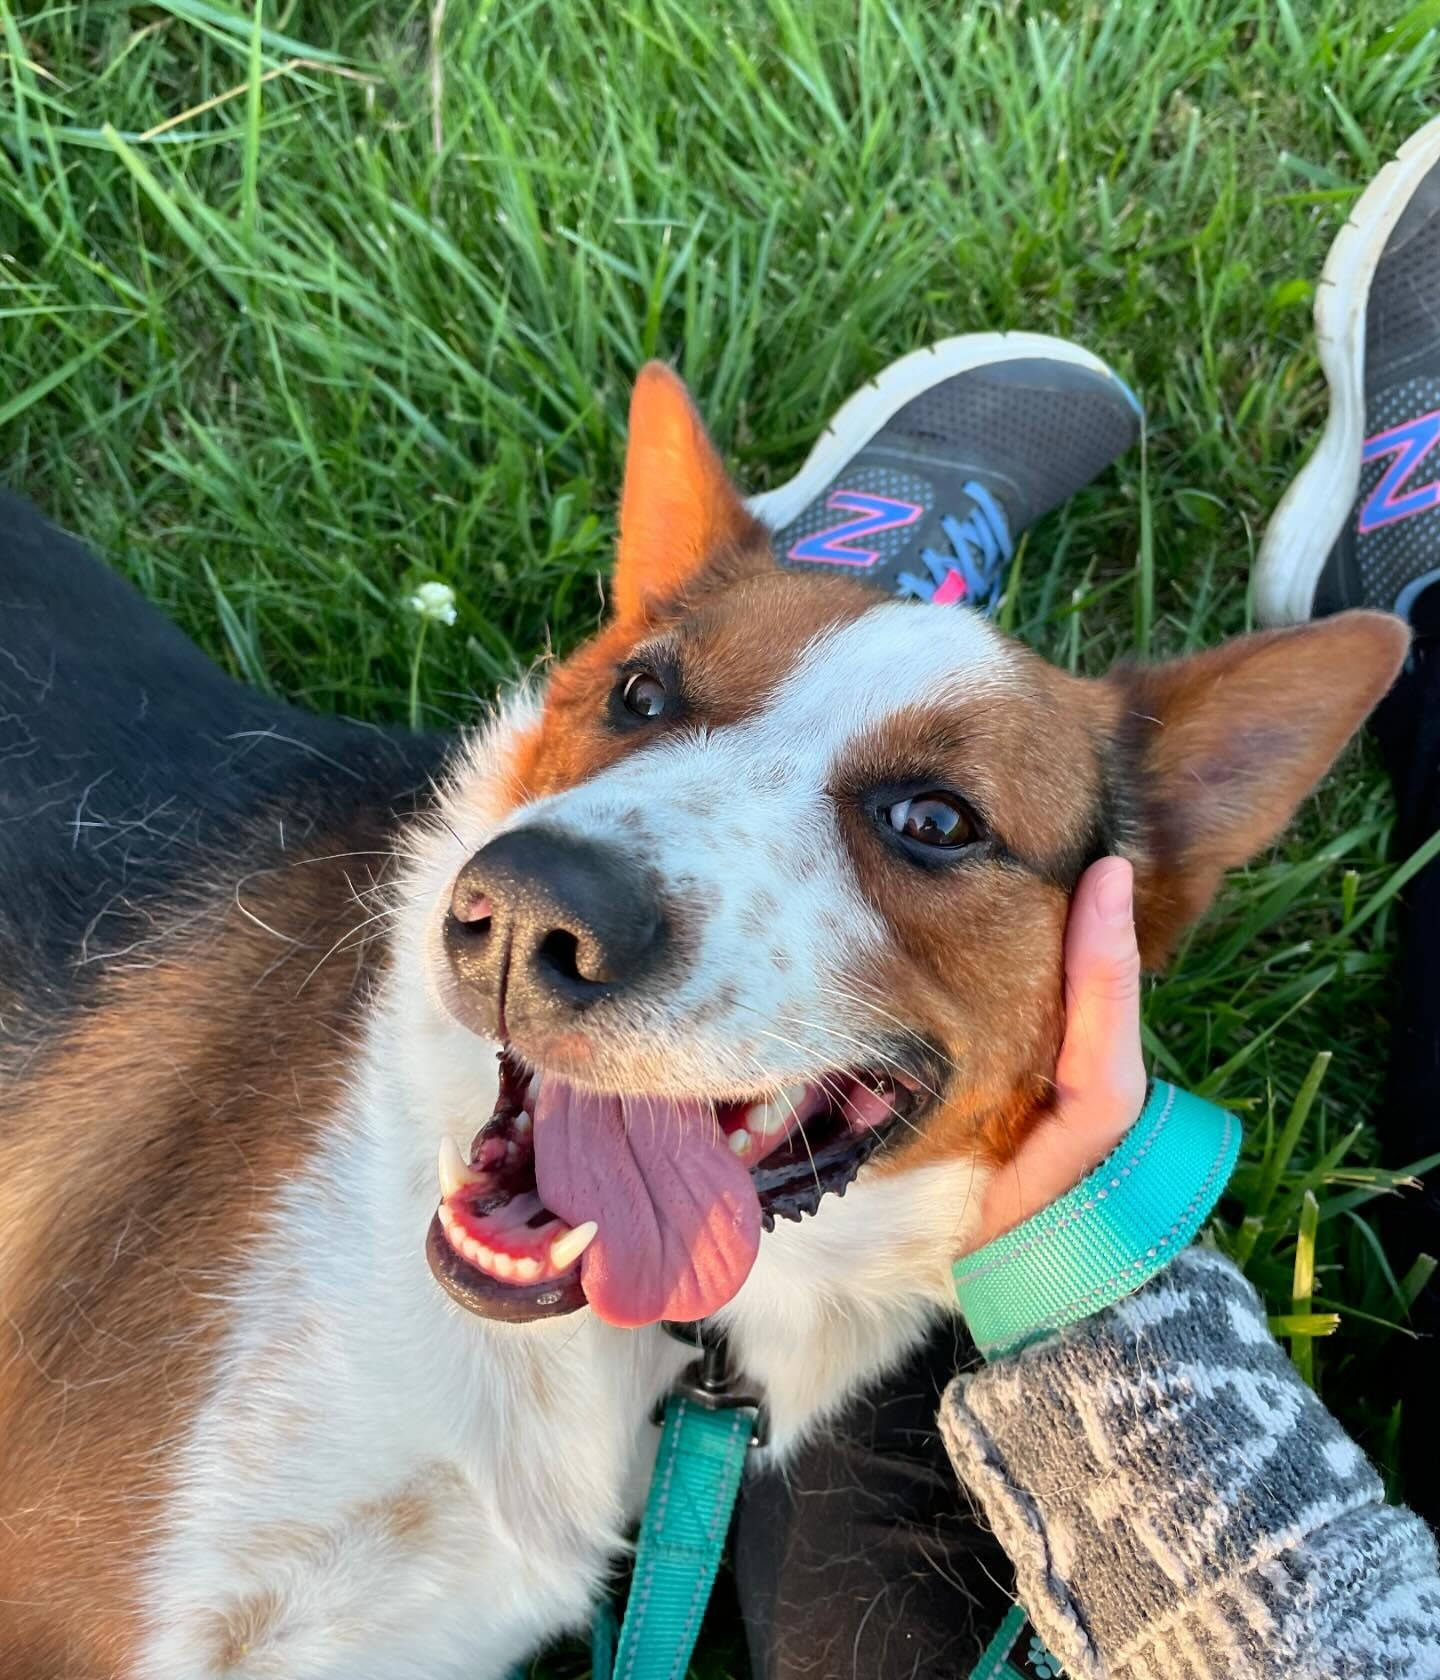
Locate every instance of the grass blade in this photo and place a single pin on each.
(250, 166)
(1417, 1278)
(1277, 1159)
(179, 224)
(13, 407)
(1302, 1350)
(1304, 1326)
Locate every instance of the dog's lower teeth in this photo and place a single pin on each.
(566, 1250)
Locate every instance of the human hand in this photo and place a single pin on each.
(1100, 1077)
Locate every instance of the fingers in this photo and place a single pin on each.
(1100, 1066)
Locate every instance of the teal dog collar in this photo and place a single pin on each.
(1113, 1232)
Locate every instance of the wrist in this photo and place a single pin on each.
(1109, 1235)
(1058, 1154)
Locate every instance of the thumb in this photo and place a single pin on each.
(1100, 1076)
(1100, 1068)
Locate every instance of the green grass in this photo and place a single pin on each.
(369, 317)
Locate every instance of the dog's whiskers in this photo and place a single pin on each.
(869, 1052)
(863, 1002)
(835, 1092)
(385, 914)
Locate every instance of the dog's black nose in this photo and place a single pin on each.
(563, 921)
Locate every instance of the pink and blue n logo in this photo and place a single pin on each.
(1409, 444)
(876, 514)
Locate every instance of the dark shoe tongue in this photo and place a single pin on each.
(678, 1215)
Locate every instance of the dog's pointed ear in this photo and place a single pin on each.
(680, 516)
(1223, 746)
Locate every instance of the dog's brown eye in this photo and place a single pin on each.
(932, 819)
(644, 695)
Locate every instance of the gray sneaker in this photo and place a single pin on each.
(923, 479)
(1360, 526)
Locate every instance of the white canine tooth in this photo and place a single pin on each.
(740, 1141)
(455, 1170)
(521, 1123)
(532, 1092)
(566, 1250)
(527, 1270)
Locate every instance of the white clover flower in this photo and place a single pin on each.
(435, 603)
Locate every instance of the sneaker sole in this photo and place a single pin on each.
(1312, 512)
(865, 413)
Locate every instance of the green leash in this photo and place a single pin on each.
(707, 1426)
(697, 1478)
(1001, 1659)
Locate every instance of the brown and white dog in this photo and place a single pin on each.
(762, 896)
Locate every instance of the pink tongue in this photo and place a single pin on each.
(679, 1219)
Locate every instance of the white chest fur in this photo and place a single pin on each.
(382, 1486)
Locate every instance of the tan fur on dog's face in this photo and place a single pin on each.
(811, 940)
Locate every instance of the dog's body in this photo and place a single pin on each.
(242, 1431)
(245, 1433)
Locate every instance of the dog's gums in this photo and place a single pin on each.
(713, 1173)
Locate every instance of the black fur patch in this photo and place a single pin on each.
(133, 771)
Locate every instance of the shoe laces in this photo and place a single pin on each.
(974, 570)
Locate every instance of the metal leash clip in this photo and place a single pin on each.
(710, 1380)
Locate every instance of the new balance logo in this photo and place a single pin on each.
(1409, 444)
(876, 514)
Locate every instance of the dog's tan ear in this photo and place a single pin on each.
(679, 513)
(1227, 743)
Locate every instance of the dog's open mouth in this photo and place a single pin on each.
(646, 1208)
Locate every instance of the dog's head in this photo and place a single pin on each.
(769, 893)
